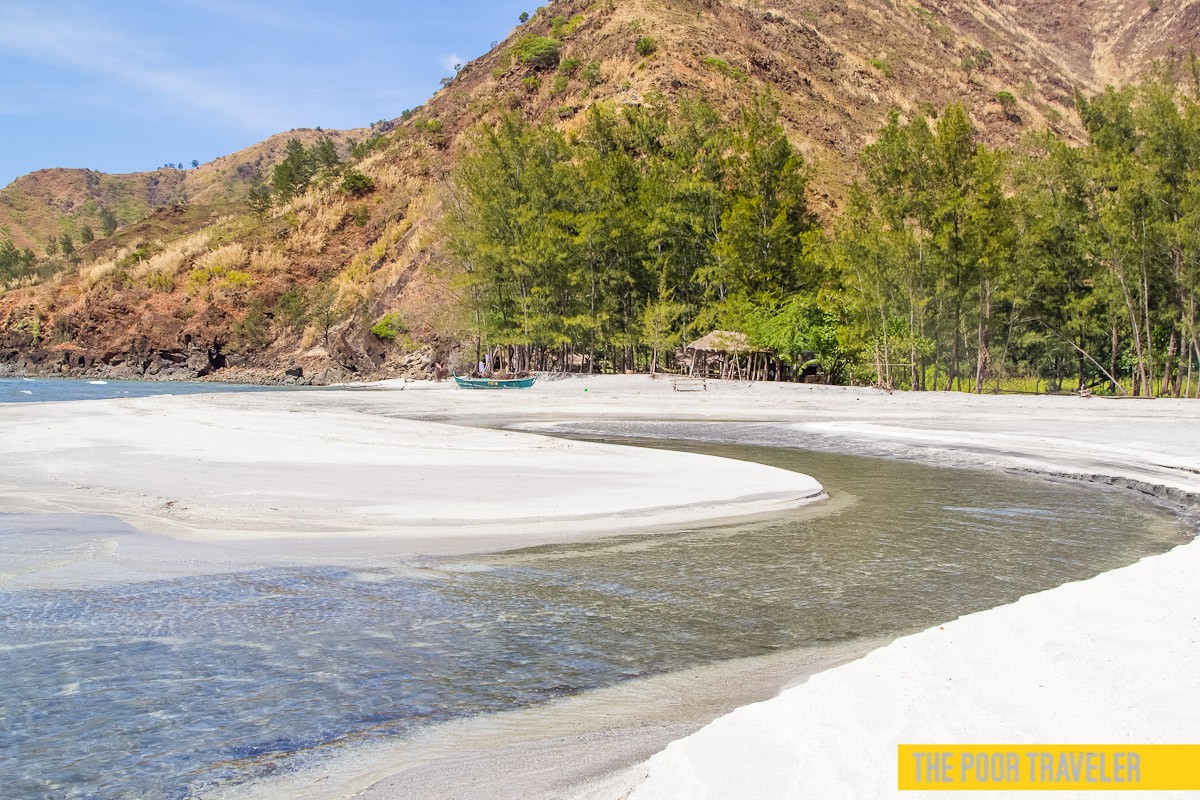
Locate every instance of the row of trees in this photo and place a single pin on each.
(954, 265)
(302, 165)
(960, 263)
(642, 225)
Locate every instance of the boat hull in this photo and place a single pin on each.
(495, 383)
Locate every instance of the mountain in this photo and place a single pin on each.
(157, 297)
(51, 202)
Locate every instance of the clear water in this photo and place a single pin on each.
(31, 390)
(161, 688)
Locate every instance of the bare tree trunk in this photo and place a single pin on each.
(1112, 369)
(1141, 376)
(984, 357)
(1168, 376)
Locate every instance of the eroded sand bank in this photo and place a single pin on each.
(314, 468)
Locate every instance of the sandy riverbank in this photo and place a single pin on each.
(953, 687)
(313, 469)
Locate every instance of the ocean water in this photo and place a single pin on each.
(164, 687)
(33, 390)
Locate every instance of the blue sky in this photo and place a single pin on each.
(129, 85)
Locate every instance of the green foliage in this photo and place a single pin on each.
(572, 24)
(953, 265)
(14, 261)
(803, 334)
(160, 281)
(356, 184)
(108, 221)
(432, 131)
(559, 87)
(591, 75)
(259, 200)
(523, 17)
(301, 164)
(661, 328)
(388, 327)
(726, 69)
(621, 235)
(291, 176)
(360, 150)
(251, 330)
(86, 234)
(291, 309)
(1007, 100)
(568, 66)
(203, 281)
(538, 52)
(531, 83)
(361, 215)
(882, 66)
(976, 59)
(646, 46)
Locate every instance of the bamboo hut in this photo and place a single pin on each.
(728, 349)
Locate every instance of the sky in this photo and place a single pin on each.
(130, 85)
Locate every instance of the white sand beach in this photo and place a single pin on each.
(311, 468)
(1113, 659)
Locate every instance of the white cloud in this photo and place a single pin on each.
(451, 61)
(91, 48)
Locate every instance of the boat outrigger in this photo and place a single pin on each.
(495, 383)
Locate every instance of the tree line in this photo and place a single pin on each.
(613, 243)
(952, 265)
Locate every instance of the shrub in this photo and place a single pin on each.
(568, 66)
(883, 66)
(361, 215)
(726, 69)
(560, 85)
(356, 184)
(251, 330)
(561, 26)
(539, 52)
(532, 83)
(646, 46)
(591, 75)
(230, 256)
(388, 327)
(1007, 100)
(161, 281)
(292, 307)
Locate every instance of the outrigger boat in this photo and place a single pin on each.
(495, 383)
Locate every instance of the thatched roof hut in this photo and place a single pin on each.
(723, 352)
(723, 342)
